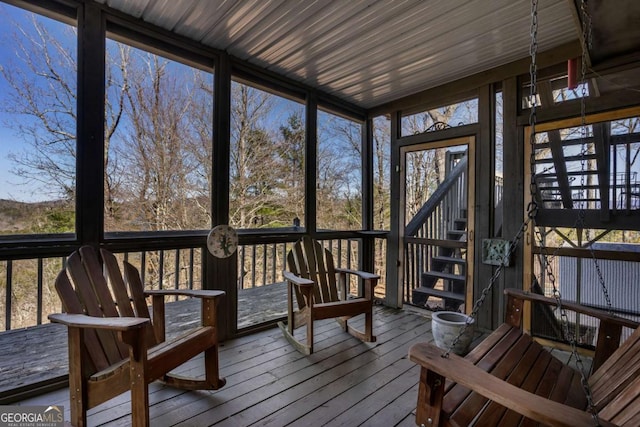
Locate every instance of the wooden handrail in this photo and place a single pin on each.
(427, 209)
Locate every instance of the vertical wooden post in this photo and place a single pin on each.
(394, 291)
(514, 172)
(489, 316)
(90, 124)
(311, 156)
(222, 273)
(367, 248)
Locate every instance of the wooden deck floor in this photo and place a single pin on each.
(37, 356)
(344, 383)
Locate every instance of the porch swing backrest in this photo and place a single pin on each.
(616, 384)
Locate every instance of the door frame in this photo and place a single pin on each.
(470, 141)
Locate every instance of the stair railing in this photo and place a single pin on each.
(431, 222)
(452, 182)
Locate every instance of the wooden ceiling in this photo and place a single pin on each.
(365, 52)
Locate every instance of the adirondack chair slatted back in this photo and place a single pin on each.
(308, 259)
(83, 290)
(135, 295)
(616, 384)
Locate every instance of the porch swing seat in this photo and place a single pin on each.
(510, 379)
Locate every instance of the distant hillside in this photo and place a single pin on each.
(24, 217)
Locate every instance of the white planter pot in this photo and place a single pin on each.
(445, 327)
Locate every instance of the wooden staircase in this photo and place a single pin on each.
(448, 269)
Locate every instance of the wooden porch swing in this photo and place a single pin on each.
(510, 379)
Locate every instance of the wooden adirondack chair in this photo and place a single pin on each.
(312, 279)
(113, 347)
(510, 379)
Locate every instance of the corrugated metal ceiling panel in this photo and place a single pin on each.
(366, 52)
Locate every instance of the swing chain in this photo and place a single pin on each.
(586, 44)
(533, 95)
(603, 285)
(586, 40)
(564, 320)
(532, 208)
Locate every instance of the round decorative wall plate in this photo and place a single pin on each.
(222, 241)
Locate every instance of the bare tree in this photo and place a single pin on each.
(42, 78)
(43, 94)
(161, 153)
(290, 151)
(252, 165)
(338, 175)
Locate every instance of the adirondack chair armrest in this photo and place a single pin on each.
(209, 300)
(461, 371)
(186, 292)
(91, 322)
(297, 280)
(362, 274)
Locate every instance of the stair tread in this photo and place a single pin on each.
(447, 276)
(449, 259)
(439, 293)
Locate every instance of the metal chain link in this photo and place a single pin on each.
(603, 285)
(532, 208)
(533, 97)
(564, 321)
(531, 213)
(586, 42)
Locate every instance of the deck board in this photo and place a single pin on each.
(344, 382)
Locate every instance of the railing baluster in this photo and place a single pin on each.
(284, 256)
(161, 269)
(143, 266)
(253, 266)
(274, 261)
(241, 266)
(264, 264)
(9, 291)
(39, 302)
(176, 279)
(191, 261)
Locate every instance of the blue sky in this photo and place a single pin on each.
(11, 186)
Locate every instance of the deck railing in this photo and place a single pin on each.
(263, 264)
(27, 286)
(28, 295)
